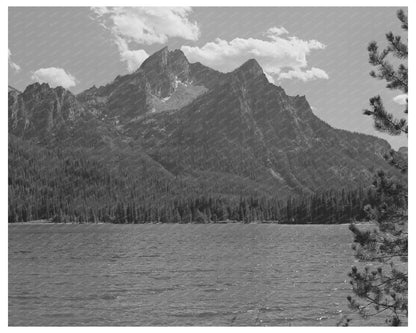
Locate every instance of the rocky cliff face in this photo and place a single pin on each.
(230, 131)
(247, 127)
(41, 110)
(165, 81)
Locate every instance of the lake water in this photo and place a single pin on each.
(170, 275)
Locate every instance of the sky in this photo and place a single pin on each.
(320, 52)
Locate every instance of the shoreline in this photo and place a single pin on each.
(45, 222)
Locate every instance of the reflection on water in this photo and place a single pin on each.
(159, 275)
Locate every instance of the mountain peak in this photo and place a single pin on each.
(177, 55)
(162, 70)
(35, 87)
(158, 59)
(251, 65)
(250, 70)
(163, 57)
(164, 49)
(160, 53)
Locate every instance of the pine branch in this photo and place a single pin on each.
(385, 70)
(403, 18)
(384, 121)
(387, 243)
(396, 46)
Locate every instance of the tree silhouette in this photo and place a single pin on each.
(384, 289)
(397, 79)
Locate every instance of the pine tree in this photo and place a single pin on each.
(385, 288)
(396, 79)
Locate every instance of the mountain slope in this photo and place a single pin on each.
(248, 127)
(165, 81)
(226, 134)
(39, 110)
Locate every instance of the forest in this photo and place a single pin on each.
(70, 186)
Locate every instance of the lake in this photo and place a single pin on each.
(177, 275)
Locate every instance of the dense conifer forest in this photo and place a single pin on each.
(71, 186)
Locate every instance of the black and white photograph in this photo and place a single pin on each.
(208, 166)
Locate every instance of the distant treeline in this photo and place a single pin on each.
(327, 208)
(70, 187)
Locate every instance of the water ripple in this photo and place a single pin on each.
(176, 275)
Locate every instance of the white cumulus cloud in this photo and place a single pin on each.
(149, 25)
(12, 64)
(275, 31)
(54, 77)
(282, 57)
(133, 58)
(401, 99)
(145, 25)
(307, 75)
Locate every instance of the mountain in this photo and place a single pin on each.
(173, 130)
(247, 127)
(165, 81)
(40, 111)
(12, 89)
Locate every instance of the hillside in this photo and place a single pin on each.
(172, 132)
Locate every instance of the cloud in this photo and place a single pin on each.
(148, 25)
(133, 58)
(12, 64)
(281, 57)
(145, 25)
(401, 99)
(54, 77)
(275, 31)
(310, 74)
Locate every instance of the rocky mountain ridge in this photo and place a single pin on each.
(232, 133)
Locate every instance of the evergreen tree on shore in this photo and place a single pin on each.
(384, 289)
(396, 78)
(67, 186)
